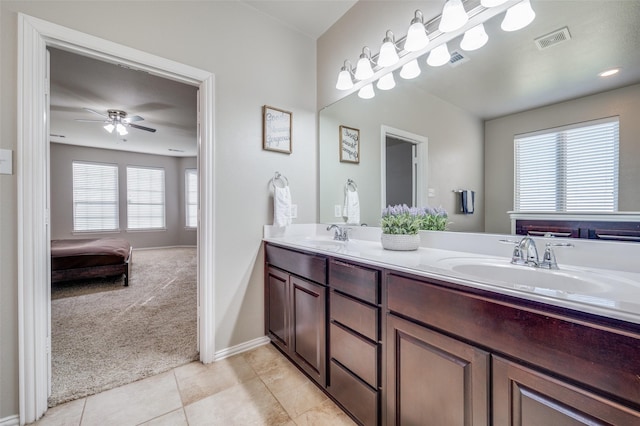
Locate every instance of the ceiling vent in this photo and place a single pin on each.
(553, 38)
(457, 58)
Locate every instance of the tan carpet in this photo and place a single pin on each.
(105, 335)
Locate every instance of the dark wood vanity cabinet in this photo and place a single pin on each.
(599, 230)
(295, 308)
(465, 357)
(354, 350)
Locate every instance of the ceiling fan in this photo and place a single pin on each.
(117, 120)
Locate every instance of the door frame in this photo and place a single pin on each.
(422, 154)
(34, 322)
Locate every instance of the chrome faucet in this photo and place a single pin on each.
(525, 253)
(340, 233)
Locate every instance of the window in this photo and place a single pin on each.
(95, 197)
(191, 198)
(568, 169)
(145, 198)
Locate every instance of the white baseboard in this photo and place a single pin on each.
(10, 421)
(242, 347)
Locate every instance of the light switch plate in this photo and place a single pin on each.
(6, 162)
(431, 192)
(337, 210)
(294, 211)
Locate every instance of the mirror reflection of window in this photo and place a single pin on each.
(401, 172)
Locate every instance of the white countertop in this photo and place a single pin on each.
(596, 277)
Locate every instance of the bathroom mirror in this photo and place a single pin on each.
(469, 111)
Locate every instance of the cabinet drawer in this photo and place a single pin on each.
(304, 265)
(355, 353)
(355, 281)
(358, 398)
(356, 315)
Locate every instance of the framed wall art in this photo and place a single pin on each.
(276, 129)
(349, 145)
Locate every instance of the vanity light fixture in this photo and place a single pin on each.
(388, 52)
(363, 67)
(453, 16)
(609, 73)
(386, 82)
(518, 16)
(366, 92)
(492, 3)
(439, 56)
(410, 70)
(417, 38)
(345, 82)
(474, 38)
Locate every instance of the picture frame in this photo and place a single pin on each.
(276, 129)
(349, 145)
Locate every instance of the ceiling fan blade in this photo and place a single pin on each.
(91, 121)
(96, 112)
(137, 126)
(132, 118)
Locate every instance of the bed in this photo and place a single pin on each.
(90, 258)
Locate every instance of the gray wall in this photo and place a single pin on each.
(204, 35)
(63, 155)
(499, 133)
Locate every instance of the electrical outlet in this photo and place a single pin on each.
(337, 210)
(431, 192)
(294, 211)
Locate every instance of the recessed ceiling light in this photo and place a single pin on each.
(610, 72)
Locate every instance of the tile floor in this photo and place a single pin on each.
(259, 387)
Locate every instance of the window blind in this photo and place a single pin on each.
(568, 169)
(95, 196)
(145, 198)
(191, 198)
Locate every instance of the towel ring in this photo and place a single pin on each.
(279, 178)
(350, 184)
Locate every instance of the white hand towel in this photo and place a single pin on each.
(281, 206)
(351, 209)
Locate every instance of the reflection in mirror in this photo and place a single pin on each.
(471, 111)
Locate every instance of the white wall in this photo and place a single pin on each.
(499, 133)
(61, 163)
(271, 64)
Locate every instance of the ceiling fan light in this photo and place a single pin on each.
(474, 38)
(386, 82)
(121, 129)
(453, 16)
(388, 55)
(492, 3)
(363, 67)
(410, 70)
(109, 127)
(366, 92)
(439, 56)
(518, 16)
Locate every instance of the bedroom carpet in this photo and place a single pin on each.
(105, 335)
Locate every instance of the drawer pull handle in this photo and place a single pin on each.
(550, 234)
(617, 237)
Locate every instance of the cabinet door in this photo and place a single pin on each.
(433, 379)
(522, 396)
(308, 324)
(277, 311)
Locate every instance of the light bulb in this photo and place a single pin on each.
(492, 3)
(453, 16)
(363, 67)
(388, 55)
(366, 92)
(474, 38)
(121, 129)
(410, 70)
(417, 38)
(518, 16)
(344, 80)
(386, 82)
(109, 127)
(439, 56)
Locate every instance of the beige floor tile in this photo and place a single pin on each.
(299, 399)
(68, 414)
(327, 413)
(197, 381)
(248, 403)
(282, 375)
(263, 357)
(133, 403)
(174, 418)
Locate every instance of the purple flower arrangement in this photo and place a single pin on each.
(405, 220)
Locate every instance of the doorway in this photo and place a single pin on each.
(403, 167)
(35, 36)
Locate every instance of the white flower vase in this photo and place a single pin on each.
(400, 242)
